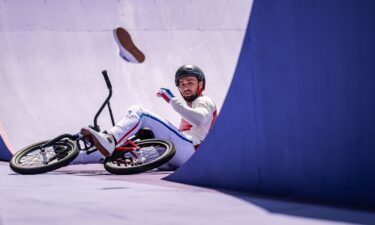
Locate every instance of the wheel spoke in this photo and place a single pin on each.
(37, 158)
(152, 153)
(148, 154)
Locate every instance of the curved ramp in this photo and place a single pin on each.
(52, 57)
(298, 119)
(6, 149)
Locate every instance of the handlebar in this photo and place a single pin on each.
(109, 85)
(105, 103)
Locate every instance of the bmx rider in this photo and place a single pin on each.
(198, 113)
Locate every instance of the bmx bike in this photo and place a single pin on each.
(138, 154)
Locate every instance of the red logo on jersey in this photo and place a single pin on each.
(185, 125)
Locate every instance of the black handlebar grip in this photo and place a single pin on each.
(109, 85)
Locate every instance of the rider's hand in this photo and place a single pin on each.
(165, 93)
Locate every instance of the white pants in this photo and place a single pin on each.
(138, 118)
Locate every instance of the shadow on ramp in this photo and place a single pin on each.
(298, 119)
(306, 209)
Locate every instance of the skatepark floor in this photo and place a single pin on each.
(87, 194)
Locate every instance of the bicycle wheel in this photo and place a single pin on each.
(151, 154)
(31, 160)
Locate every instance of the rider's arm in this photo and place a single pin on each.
(200, 114)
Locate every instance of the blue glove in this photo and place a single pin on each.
(166, 94)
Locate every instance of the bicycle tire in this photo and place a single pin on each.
(112, 165)
(58, 157)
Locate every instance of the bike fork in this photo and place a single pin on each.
(44, 156)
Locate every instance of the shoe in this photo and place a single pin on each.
(105, 143)
(128, 50)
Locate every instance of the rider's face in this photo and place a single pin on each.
(188, 86)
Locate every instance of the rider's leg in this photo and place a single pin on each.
(138, 117)
(135, 119)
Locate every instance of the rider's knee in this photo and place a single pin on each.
(136, 110)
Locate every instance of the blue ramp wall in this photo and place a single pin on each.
(299, 118)
(5, 154)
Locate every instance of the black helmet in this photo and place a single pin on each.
(190, 70)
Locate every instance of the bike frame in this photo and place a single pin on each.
(105, 103)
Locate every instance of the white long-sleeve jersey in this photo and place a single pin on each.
(197, 117)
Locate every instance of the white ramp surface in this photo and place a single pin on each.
(53, 52)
